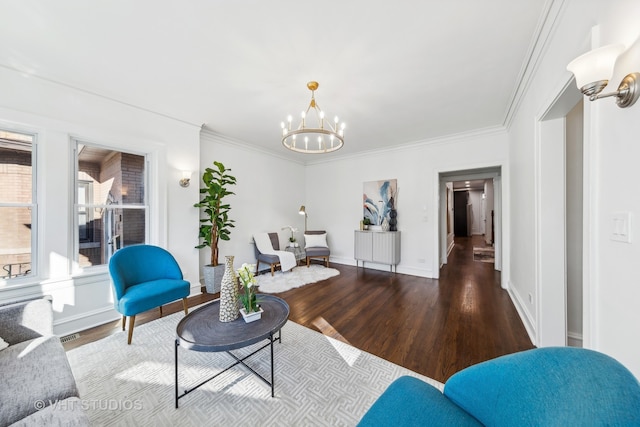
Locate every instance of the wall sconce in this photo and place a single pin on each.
(303, 211)
(593, 71)
(186, 178)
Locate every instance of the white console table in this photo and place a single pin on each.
(382, 247)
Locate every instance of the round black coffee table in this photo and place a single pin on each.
(201, 330)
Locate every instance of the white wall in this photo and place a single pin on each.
(616, 292)
(611, 316)
(268, 194)
(334, 193)
(56, 113)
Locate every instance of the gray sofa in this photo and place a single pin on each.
(38, 387)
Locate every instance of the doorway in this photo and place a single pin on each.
(559, 221)
(472, 198)
(574, 222)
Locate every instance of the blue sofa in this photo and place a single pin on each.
(556, 386)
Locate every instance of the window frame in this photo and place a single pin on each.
(75, 206)
(33, 206)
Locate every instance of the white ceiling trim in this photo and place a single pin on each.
(543, 35)
(32, 75)
(412, 146)
(208, 135)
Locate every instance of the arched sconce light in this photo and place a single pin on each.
(593, 71)
(186, 178)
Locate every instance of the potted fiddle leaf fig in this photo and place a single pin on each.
(215, 224)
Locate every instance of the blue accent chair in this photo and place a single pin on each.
(145, 277)
(555, 386)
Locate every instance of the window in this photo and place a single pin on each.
(18, 209)
(111, 207)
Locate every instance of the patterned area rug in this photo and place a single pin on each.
(484, 254)
(298, 276)
(318, 381)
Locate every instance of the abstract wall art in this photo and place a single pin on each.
(379, 202)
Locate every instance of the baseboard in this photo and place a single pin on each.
(420, 272)
(574, 339)
(342, 261)
(412, 271)
(526, 318)
(196, 288)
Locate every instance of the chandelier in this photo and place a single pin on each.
(323, 138)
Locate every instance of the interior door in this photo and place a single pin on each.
(460, 200)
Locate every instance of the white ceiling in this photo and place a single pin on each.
(396, 72)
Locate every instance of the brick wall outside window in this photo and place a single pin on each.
(15, 221)
(118, 179)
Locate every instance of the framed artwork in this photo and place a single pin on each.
(379, 201)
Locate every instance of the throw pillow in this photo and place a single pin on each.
(3, 344)
(315, 240)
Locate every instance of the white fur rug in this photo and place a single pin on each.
(298, 276)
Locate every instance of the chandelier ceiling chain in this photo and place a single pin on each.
(324, 138)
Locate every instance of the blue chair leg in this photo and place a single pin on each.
(132, 321)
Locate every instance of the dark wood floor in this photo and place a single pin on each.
(433, 327)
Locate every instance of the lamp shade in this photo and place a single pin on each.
(302, 210)
(596, 65)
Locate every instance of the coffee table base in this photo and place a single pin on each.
(239, 361)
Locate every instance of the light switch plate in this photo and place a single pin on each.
(621, 227)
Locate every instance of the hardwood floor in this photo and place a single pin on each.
(433, 327)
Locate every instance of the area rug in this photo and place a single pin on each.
(298, 276)
(318, 381)
(484, 254)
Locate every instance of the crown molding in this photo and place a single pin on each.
(538, 47)
(209, 134)
(410, 146)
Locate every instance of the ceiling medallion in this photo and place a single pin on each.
(323, 138)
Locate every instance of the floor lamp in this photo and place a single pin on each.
(302, 211)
